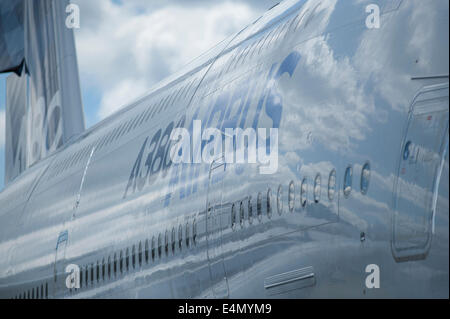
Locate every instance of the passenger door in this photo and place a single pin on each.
(425, 142)
(215, 211)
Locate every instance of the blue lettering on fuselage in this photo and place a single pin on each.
(228, 111)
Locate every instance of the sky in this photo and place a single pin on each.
(125, 47)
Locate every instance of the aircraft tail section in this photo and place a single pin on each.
(43, 107)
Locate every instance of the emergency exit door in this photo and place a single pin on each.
(425, 143)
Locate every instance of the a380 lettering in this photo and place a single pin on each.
(145, 172)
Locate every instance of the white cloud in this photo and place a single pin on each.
(2, 129)
(123, 51)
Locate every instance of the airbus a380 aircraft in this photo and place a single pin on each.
(357, 205)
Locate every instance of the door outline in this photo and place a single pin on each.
(417, 252)
(214, 211)
(60, 257)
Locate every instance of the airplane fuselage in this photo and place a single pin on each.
(362, 178)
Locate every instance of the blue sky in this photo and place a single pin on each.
(125, 47)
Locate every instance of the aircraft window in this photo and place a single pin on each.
(287, 27)
(102, 143)
(250, 210)
(257, 46)
(130, 125)
(141, 119)
(83, 152)
(303, 192)
(280, 200)
(159, 245)
(81, 277)
(301, 19)
(269, 203)
(291, 196)
(140, 254)
(110, 135)
(86, 278)
(163, 105)
(241, 57)
(171, 100)
(103, 269)
(127, 126)
(158, 107)
(127, 259)
(180, 237)
(259, 206)
(231, 62)
(293, 22)
(155, 109)
(173, 240)
(115, 264)
(332, 185)
(253, 48)
(138, 119)
(283, 29)
(192, 87)
(233, 216)
(348, 180)
(166, 242)
(76, 157)
(149, 112)
(241, 214)
(46, 290)
(180, 93)
(167, 103)
(153, 248)
(133, 256)
(243, 54)
(274, 35)
(365, 178)
(79, 155)
(194, 232)
(146, 251)
(116, 133)
(187, 235)
(187, 89)
(317, 185)
(109, 267)
(121, 130)
(121, 261)
(265, 40)
(98, 271)
(92, 272)
(235, 60)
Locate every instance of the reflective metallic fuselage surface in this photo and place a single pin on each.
(361, 189)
